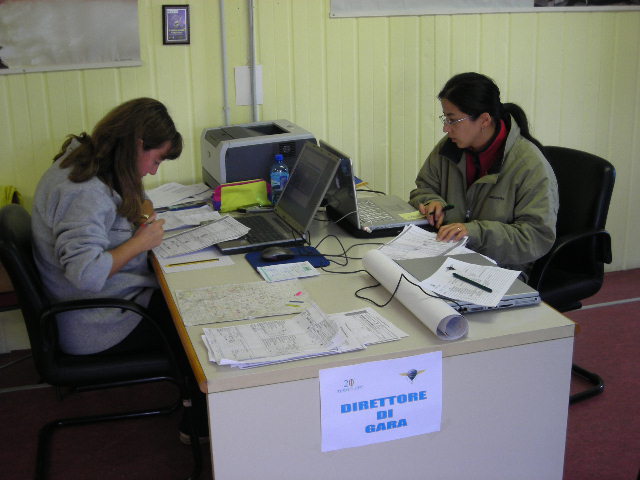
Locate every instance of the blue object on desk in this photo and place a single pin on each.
(308, 254)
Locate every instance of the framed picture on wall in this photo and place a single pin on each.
(175, 25)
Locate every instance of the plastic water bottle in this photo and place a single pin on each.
(279, 177)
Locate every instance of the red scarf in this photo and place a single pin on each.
(479, 163)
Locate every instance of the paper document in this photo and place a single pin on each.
(188, 218)
(384, 400)
(369, 326)
(472, 283)
(244, 301)
(172, 193)
(415, 242)
(192, 240)
(309, 334)
(287, 271)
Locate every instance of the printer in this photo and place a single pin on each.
(245, 152)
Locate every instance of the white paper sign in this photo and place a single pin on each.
(380, 401)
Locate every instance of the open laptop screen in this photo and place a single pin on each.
(341, 195)
(307, 185)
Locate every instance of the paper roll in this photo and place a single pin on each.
(434, 313)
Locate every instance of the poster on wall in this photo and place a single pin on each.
(376, 8)
(47, 35)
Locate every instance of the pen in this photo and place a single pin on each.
(192, 263)
(471, 282)
(444, 209)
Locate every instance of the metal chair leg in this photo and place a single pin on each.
(46, 432)
(593, 378)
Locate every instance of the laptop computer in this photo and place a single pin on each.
(518, 295)
(294, 211)
(365, 217)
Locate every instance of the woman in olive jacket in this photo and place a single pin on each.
(502, 191)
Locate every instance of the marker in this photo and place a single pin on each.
(192, 263)
(471, 282)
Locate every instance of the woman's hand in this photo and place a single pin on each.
(434, 213)
(150, 233)
(452, 232)
(146, 237)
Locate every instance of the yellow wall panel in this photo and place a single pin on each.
(366, 85)
(430, 127)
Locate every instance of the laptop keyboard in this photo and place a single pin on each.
(261, 230)
(369, 212)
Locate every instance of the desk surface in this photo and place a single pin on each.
(335, 293)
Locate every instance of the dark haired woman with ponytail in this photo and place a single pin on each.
(93, 228)
(492, 172)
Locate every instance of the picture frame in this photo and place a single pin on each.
(176, 26)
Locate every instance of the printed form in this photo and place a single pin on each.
(192, 240)
(480, 284)
(311, 333)
(414, 242)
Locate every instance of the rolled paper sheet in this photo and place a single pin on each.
(434, 313)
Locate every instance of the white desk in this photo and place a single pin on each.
(505, 393)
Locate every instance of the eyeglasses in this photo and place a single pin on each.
(448, 123)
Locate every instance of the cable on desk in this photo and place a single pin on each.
(343, 255)
(359, 244)
(371, 191)
(402, 276)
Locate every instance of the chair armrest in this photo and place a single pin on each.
(90, 303)
(567, 241)
(87, 303)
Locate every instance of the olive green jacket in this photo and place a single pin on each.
(510, 213)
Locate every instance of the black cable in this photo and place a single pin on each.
(402, 276)
(372, 191)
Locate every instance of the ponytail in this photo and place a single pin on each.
(521, 119)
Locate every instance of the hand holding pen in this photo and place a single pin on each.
(150, 232)
(434, 211)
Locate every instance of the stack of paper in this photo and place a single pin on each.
(415, 242)
(243, 301)
(194, 239)
(173, 193)
(192, 217)
(310, 334)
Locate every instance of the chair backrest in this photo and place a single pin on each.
(17, 257)
(585, 186)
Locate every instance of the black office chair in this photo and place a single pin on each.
(80, 372)
(574, 268)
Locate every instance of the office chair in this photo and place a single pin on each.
(80, 372)
(574, 268)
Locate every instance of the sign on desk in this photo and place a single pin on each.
(380, 401)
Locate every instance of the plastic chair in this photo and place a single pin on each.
(574, 268)
(80, 372)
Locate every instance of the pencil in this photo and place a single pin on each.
(192, 263)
